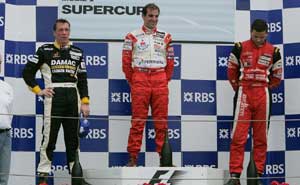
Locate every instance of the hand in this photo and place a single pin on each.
(85, 109)
(48, 92)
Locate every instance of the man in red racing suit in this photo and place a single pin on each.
(254, 67)
(147, 61)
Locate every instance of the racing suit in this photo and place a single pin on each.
(64, 70)
(148, 63)
(252, 71)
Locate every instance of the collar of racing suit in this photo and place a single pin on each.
(255, 46)
(149, 31)
(58, 46)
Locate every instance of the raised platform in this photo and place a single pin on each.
(154, 175)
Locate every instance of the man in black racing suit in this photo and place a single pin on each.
(64, 74)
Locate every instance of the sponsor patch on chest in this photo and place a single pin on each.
(264, 60)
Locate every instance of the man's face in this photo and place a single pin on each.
(259, 38)
(151, 18)
(62, 33)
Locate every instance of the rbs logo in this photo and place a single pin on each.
(273, 169)
(95, 60)
(22, 133)
(274, 27)
(117, 97)
(17, 59)
(222, 61)
(199, 97)
(1, 21)
(292, 60)
(176, 61)
(277, 97)
(97, 134)
(58, 168)
(172, 133)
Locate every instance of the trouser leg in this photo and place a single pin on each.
(5, 157)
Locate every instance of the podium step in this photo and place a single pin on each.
(156, 175)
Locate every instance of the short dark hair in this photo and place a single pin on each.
(60, 21)
(259, 25)
(150, 6)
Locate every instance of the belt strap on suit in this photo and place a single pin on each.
(63, 85)
(149, 70)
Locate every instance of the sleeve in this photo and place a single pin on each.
(30, 69)
(170, 57)
(234, 66)
(127, 56)
(276, 70)
(82, 83)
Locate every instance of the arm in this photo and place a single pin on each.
(276, 70)
(82, 86)
(234, 66)
(169, 57)
(29, 71)
(127, 56)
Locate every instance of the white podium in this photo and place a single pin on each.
(156, 176)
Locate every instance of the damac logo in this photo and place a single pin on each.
(293, 132)
(172, 134)
(274, 169)
(292, 60)
(223, 61)
(277, 97)
(96, 60)
(199, 97)
(118, 97)
(17, 58)
(22, 133)
(274, 27)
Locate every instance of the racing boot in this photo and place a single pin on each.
(43, 179)
(234, 180)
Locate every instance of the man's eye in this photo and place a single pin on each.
(153, 16)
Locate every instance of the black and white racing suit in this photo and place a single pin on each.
(65, 71)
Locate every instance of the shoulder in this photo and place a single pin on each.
(46, 47)
(136, 33)
(270, 45)
(246, 42)
(276, 50)
(163, 33)
(75, 49)
(238, 46)
(75, 52)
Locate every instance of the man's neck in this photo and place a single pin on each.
(60, 45)
(149, 30)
